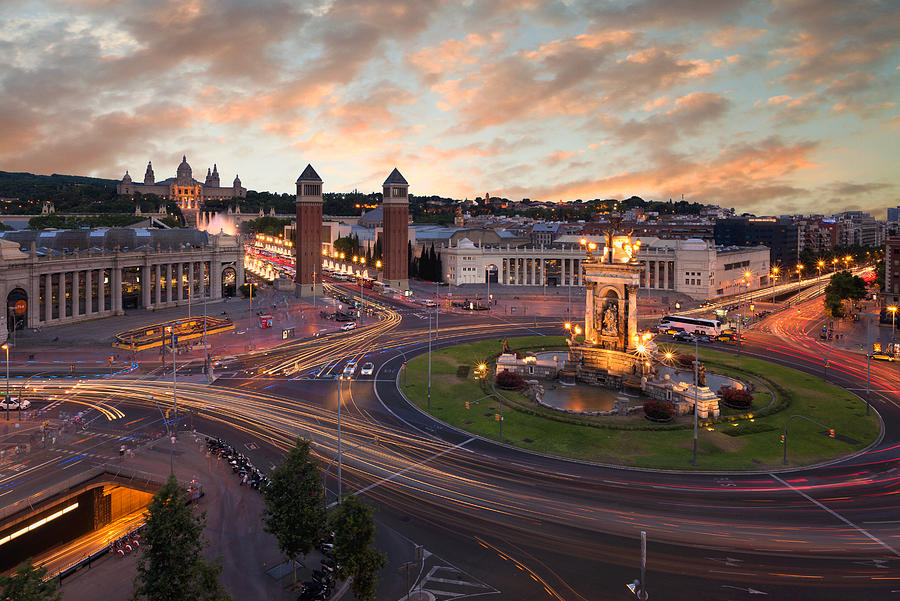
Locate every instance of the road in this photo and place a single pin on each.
(535, 527)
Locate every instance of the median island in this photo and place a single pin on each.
(628, 429)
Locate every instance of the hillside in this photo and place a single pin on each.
(69, 193)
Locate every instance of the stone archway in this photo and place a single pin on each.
(16, 310)
(229, 282)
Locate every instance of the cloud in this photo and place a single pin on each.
(731, 36)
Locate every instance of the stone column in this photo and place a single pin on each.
(665, 275)
(215, 279)
(88, 291)
(534, 280)
(61, 301)
(33, 317)
(180, 278)
(146, 282)
(48, 297)
(632, 315)
(76, 276)
(577, 271)
(101, 291)
(191, 287)
(115, 283)
(169, 296)
(157, 283)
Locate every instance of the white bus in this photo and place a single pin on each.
(691, 325)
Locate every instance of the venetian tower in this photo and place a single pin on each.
(395, 207)
(308, 246)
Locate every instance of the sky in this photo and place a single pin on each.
(775, 107)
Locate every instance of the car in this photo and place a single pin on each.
(726, 337)
(13, 404)
(673, 330)
(683, 336)
(367, 369)
(350, 369)
(430, 304)
(348, 326)
(882, 356)
(702, 338)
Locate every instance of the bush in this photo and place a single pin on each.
(659, 410)
(508, 380)
(736, 398)
(684, 360)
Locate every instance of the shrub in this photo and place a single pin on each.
(508, 380)
(659, 410)
(736, 398)
(684, 360)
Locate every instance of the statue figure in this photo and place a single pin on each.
(610, 319)
(701, 375)
(505, 348)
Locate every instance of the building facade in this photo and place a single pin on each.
(50, 278)
(183, 189)
(778, 234)
(693, 267)
(892, 271)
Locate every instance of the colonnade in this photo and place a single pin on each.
(532, 271)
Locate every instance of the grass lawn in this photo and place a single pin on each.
(757, 448)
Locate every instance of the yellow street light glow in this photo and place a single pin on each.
(592, 246)
(567, 326)
(641, 348)
(582, 241)
(669, 355)
(38, 523)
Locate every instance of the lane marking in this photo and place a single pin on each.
(838, 516)
(415, 465)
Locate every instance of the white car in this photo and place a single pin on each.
(348, 326)
(350, 369)
(367, 369)
(13, 404)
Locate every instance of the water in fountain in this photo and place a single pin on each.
(219, 224)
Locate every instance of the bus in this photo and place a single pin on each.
(692, 325)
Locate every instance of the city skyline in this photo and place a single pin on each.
(768, 108)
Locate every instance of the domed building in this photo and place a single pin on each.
(183, 189)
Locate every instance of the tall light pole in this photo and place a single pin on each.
(429, 362)
(868, 357)
(205, 346)
(340, 447)
(437, 314)
(250, 324)
(696, 392)
(5, 347)
(892, 309)
(774, 280)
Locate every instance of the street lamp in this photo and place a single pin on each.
(774, 280)
(696, 392)
(892, 309)
(340, 448)
(5, 347)
(819, 266)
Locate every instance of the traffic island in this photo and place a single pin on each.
(464, 396)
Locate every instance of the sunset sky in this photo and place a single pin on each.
(770, 107)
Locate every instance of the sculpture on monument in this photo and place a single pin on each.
(610, 325)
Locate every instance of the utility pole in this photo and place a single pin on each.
(175, 403)
(340, 448)
(696, 393)
(868, 358)
(639, 587)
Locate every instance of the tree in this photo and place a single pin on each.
(843, 286)
(295, 512)
(27, 584)
(172, 565)
(353, 524)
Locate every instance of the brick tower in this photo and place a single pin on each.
(308, 246)
(396, 231)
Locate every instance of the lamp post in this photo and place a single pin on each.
(5, 347)
(340, 447)
(437, 311)
(892, 309)
(429, 362)
(819, 266)
(250, 325)
(696, 393)
(774, 280)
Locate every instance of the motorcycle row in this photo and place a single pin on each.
(125, 545)
(322, 584)
(240, 464)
